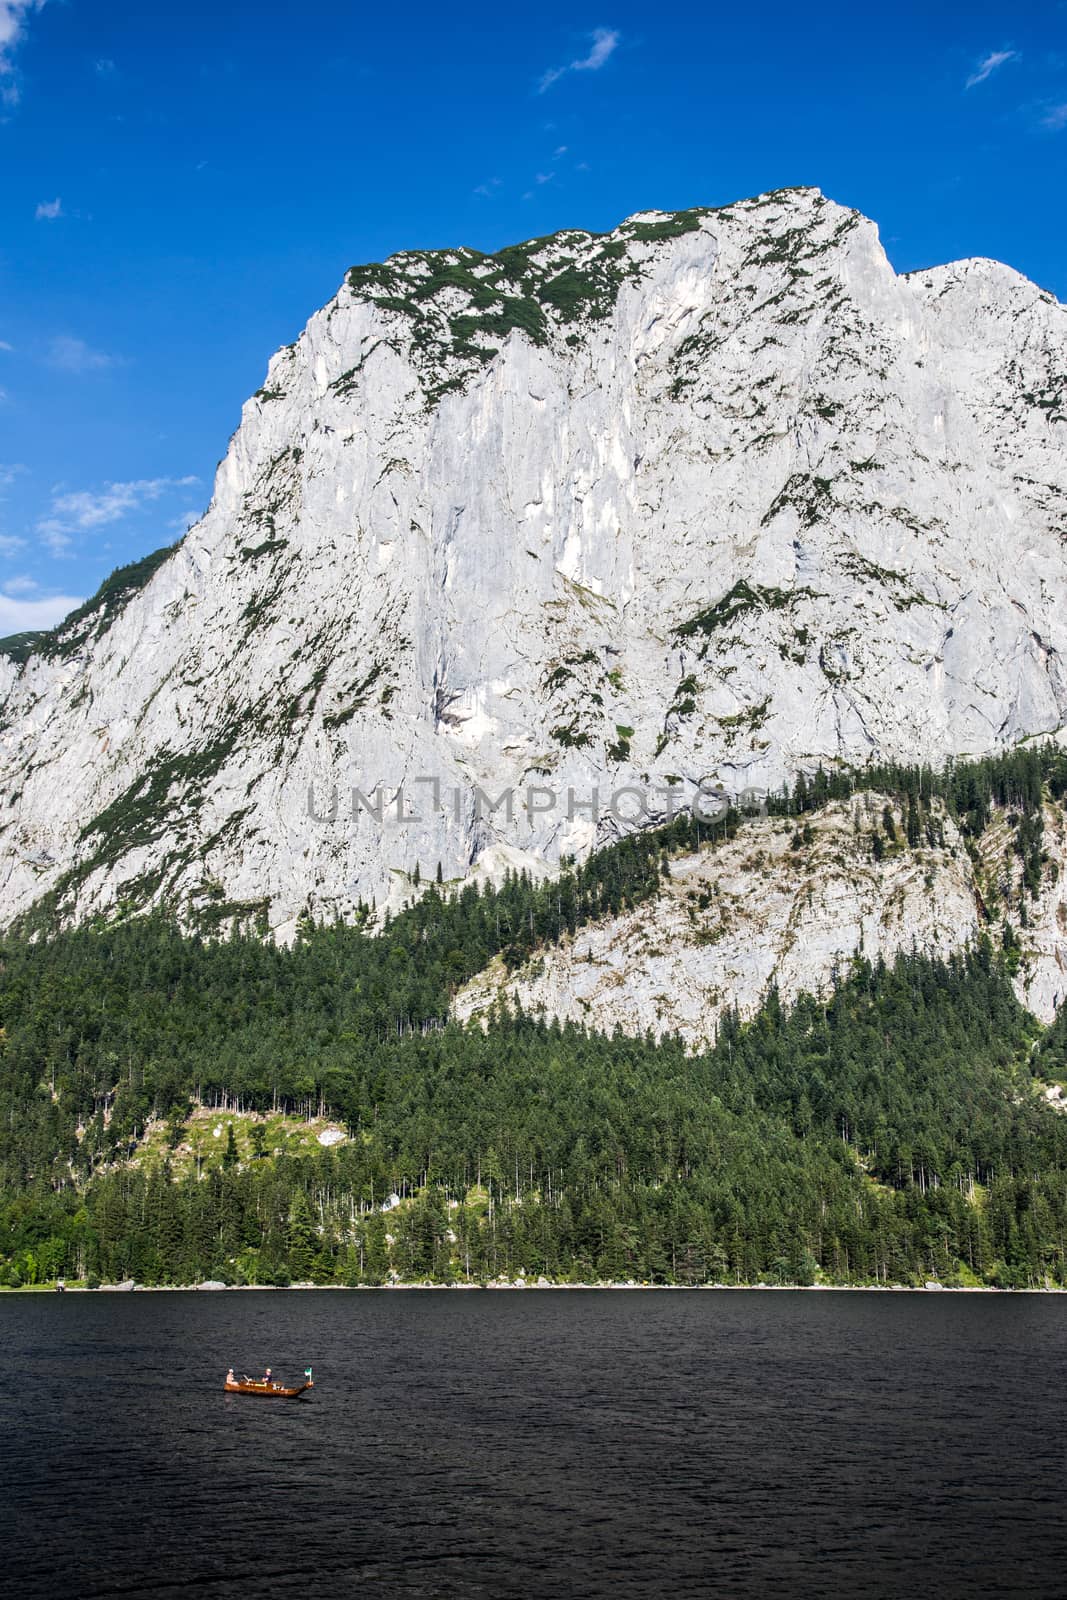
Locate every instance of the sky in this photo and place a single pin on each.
(181, 187)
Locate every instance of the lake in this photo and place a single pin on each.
(537, 1443)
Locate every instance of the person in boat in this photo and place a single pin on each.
(230, 1377)
(267, 1379)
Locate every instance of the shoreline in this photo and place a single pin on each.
(626, 1288)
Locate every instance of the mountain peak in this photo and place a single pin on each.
(713, 495)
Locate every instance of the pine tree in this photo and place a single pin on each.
(302, 1239)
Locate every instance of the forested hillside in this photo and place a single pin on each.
(892, 1132)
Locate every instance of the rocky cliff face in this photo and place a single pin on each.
(715, 494)
(792, 905)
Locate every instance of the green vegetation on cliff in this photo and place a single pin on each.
(93, 617)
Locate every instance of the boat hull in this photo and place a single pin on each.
(268, 1391)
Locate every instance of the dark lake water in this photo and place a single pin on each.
(535, 1444)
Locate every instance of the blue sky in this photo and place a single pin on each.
(182, 186)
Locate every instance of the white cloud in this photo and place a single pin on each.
(544, 177)
(9, 545)
(5, 346)
(105, 67)
(54, 536)
(13, 18)
(90, 510)
(23, 584)
(9, 471)
(48, 210)
(84, 509)
(74, 355)
(24, 616)
(604, 44)
(1055, 118)
(986, 68)
(183, 523)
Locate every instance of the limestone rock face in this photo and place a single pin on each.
(780, 905)
(717, 494)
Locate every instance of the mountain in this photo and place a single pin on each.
(717, 495)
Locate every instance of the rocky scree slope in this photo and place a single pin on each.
(790, 902)
(716, 493)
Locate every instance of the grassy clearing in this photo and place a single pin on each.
(201, 1142)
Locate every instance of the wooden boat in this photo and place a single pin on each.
(267, 1388)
